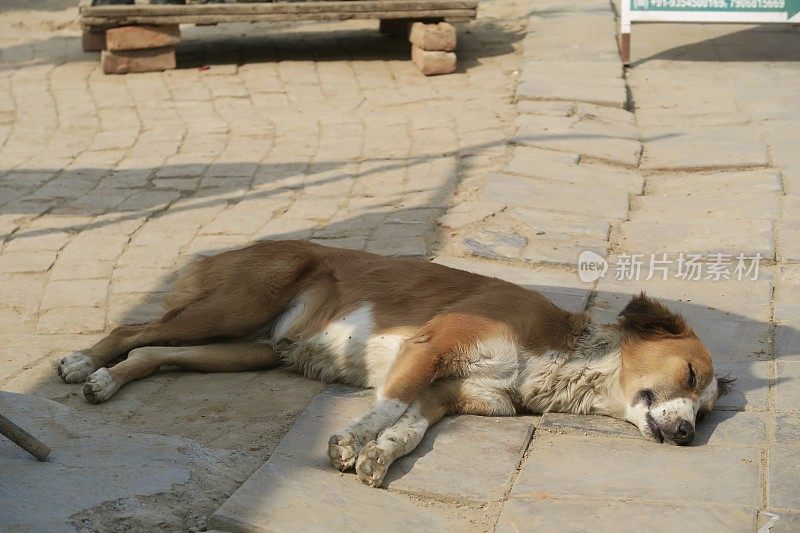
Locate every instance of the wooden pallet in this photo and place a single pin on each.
(396, 16)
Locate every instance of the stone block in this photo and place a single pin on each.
(784, 471)
(715, 184)
(585, 135)
(562, 466)
(93, 40)
(142, 37)
(547, 224)
(749, 206)
(595, 82)
(703, 147)
(547, 514)
(787, 387)
(433, 37)
(431, 63)
(630, 181)
(552, 196)
(436, 468)
(695, 236)
(150, 60)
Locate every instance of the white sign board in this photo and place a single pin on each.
(738, 11)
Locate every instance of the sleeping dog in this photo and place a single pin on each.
(430, 339)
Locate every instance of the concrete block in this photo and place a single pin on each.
(150, 60)
(93, 40)
(432, 63)
(142, 37)
(432, 37)
(562, 466)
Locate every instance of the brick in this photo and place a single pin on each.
(432, 37)
(142, 37)
(125, 61)
(431, 63)
(93, 40)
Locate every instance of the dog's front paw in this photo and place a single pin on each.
(76, 367)
(372, 464)
(100, 386)
(343, 449)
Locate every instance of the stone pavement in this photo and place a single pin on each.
(107, 184)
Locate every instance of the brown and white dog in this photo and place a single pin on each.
(431, 339)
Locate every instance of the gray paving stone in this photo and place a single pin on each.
(784, 471)
(525, 158)
(787, 429)
(563, 288)
(596, 175)
(92, 462)
(576, 515)
(787, 387)
(749, 206)
(789, 245)
(561, 251)
(698, 236)
(492, 450)
(559, 466)
(552, 196)
(715, 184)
(585, 135)
(703, 147)
(495, 244)
(544, 223)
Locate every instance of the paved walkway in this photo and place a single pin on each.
(109, 183)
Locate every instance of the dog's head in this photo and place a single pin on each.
(667, 376)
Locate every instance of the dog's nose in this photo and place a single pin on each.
(684, 434)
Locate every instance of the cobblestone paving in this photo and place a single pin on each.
(109, 183)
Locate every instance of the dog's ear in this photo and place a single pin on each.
(645, 317)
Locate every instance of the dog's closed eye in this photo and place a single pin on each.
(692, 377)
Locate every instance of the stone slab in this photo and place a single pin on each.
(561, 466)
(715, 184)
(596, 82)
(588, 136)
(780, 521)
(703, 147)
(492, 447)
(91, 463)
(698, 236)
(562, 287)
(540, 222)
(787, 388)
(299, 489)
(750, 388)
(553, 196)
(523, 158)
(567, 515)
(593, 175)
(784, 471)
(748, 206)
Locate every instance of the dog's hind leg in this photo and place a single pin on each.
(145, 361)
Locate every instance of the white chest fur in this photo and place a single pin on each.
(346, 350)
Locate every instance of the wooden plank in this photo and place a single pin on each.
(276, 8)
(448, 14)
